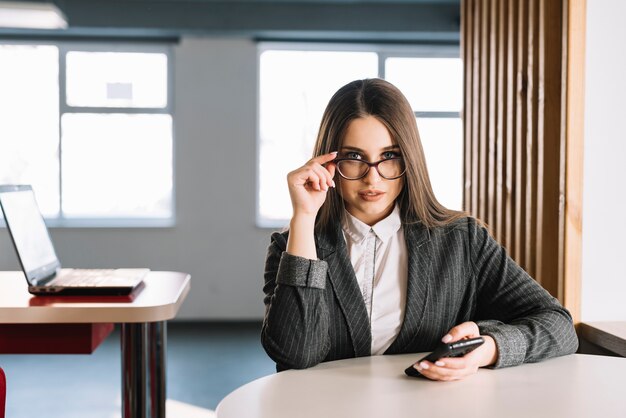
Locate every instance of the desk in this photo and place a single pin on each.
(143, 336)
(572, 386)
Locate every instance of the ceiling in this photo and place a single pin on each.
(410, 21)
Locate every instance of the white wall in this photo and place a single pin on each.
(604, 189)
(215, 239)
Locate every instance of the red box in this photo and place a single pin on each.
(52, 338)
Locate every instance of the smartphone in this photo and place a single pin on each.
(455, 349)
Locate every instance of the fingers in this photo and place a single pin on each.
(324, 179)
(446, 370)
(312, 180)
(465, 330)
(332, 168)
(454, 368)
(324, 175)
(328, 168)
(324, 158)
(456, 363)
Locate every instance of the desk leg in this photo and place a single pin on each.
(157, 334)
(133, 370)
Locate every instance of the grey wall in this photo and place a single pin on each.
(215, 238)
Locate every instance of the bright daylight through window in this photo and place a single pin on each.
(296, 84)
(76, 122)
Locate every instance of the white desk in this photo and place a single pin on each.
(571, 386)
(143, 337)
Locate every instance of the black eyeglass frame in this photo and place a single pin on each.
(369, 166)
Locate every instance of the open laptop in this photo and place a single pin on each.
(38, 258)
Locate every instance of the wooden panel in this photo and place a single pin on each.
(475, 102)
(466, 48)
(501, 144)
(550, 199)
(511, 128)
(490, 128)
(484, 109)
(520, 134)
(514, 129)
(492, 120)
(531, 140)
(575, 99)
(543, 89)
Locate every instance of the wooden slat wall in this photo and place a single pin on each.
(513, 51)
(574, 75)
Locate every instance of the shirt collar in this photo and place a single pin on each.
(384, 229)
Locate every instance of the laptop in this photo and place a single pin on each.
(38, 258)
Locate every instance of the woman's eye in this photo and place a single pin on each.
(353, 155)
(390, 154)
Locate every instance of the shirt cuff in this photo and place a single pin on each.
(302, 272)
(509, 340)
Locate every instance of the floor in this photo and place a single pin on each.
(205, 362)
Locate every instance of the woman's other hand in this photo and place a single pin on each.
(309, 184)
(456, 368)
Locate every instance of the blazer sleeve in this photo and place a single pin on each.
(295, 326)
(526, 322)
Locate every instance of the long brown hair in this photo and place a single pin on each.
(382, 100)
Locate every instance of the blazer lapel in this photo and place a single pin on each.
(333, 250)
(420, 259)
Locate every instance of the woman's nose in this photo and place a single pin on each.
(372, 176)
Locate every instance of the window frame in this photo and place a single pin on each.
(64, 47)
(383, 51)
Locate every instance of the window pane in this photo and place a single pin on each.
(295, 87)
(116, 79)
(442, 140)
(430, 84)
(29, 121)
(117, 165)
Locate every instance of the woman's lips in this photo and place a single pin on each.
(371, 195)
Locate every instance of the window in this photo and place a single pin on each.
(91, 128)
(296, 82)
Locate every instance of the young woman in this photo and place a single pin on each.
(373, 264)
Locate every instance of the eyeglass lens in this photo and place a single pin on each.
(354, 169)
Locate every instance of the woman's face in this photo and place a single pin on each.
(371, 198)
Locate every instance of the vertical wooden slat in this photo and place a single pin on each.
(549, 197)
(475, 101)
(484, 109)
(561, 252)
(501, 144)
(511, 129)
(532, 138)
(520, 135)
(574, 117)
(467, 45)
(543, 83)
(491, 120)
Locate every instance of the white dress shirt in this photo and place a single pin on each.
(379, 257)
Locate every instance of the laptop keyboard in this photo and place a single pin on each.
(96, 277)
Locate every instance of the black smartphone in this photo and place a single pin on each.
(455, 349)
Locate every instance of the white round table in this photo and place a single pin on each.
(570, 386)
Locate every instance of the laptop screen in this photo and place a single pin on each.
(28, 230)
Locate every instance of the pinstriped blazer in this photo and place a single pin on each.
(314, 310)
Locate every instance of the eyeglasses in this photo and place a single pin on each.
(353, 169)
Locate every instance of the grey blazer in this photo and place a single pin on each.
(314, 310)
